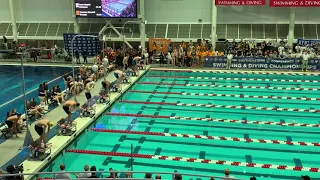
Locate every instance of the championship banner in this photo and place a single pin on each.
(308, 42)
(240, 2)
(89, 44)
(155, 44)
(294, 3)
(259, 63)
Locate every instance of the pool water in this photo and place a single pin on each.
(135, 104)
(11, 85)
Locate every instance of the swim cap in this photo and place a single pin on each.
(51, 123)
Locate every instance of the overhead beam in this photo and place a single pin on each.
(119, 34)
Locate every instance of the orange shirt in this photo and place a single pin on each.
(210, 53)
(204, 53)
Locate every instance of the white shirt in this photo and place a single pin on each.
(227, 177)
(298, 55)
(281, 49)
(305, 57)
(84, 175)
(105, 62)
(62, 176)
(146, 55)
(298, 48)
(95, 68)
(229, 56)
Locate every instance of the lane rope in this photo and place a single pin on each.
(239, 72)
(221, 138)
(229, 95)
(196, 160)
(218, 120)
(225, 106)
(236, 79)
(238, 87)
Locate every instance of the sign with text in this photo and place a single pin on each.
(259, 63)
(306, 42)
(240, 2)
(294, 3)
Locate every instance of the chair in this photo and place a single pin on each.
(5, 131)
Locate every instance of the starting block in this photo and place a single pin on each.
(65, 129)
(126, 80)
(39, 153)
(116, 89)
(87, 112)
(103, 99)
(135, 73)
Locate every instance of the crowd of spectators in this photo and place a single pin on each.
(273, 49)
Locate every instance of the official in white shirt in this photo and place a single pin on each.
(229, 60)
(85, 174)
(305, 58)
(63, 175)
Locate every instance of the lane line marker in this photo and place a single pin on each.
(239, 72)
(237, 79)
(238, 87)
(221, 138)
(196, 160)
(225, 106)
(229, 95)
(218, 120)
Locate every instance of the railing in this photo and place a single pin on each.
(113, 173)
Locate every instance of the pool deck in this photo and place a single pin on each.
(11, 146)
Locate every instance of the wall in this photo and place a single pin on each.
(162, 11)
(4, 10)
(265, 14)
(38, 10)
(178, 11)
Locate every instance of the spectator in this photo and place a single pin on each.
(148, 176)
(85, 174)
(227, 174)
(62, 175)
(112, 174)
(177, 176)
(93, 175)
(128, 174)
(158, 176)
(305, 178)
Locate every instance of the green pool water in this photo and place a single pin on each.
(262, 153)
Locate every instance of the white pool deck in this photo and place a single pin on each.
(11, 146)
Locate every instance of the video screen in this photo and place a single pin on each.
(106, 8)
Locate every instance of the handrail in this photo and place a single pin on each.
(132, 172)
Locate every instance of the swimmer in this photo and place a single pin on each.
(40, 128)
(88, 88)
(125, 62)
(119, 76)
(68, 106)
(135, 61)
(106, 86)
(95, 69)
(12, 122)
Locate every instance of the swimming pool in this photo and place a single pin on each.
(262, 125)
(11, 86)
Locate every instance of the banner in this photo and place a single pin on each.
(89, 44)
(308, 42)
(259, 63)
(159, 44)
(294, 3)
(240, 2)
